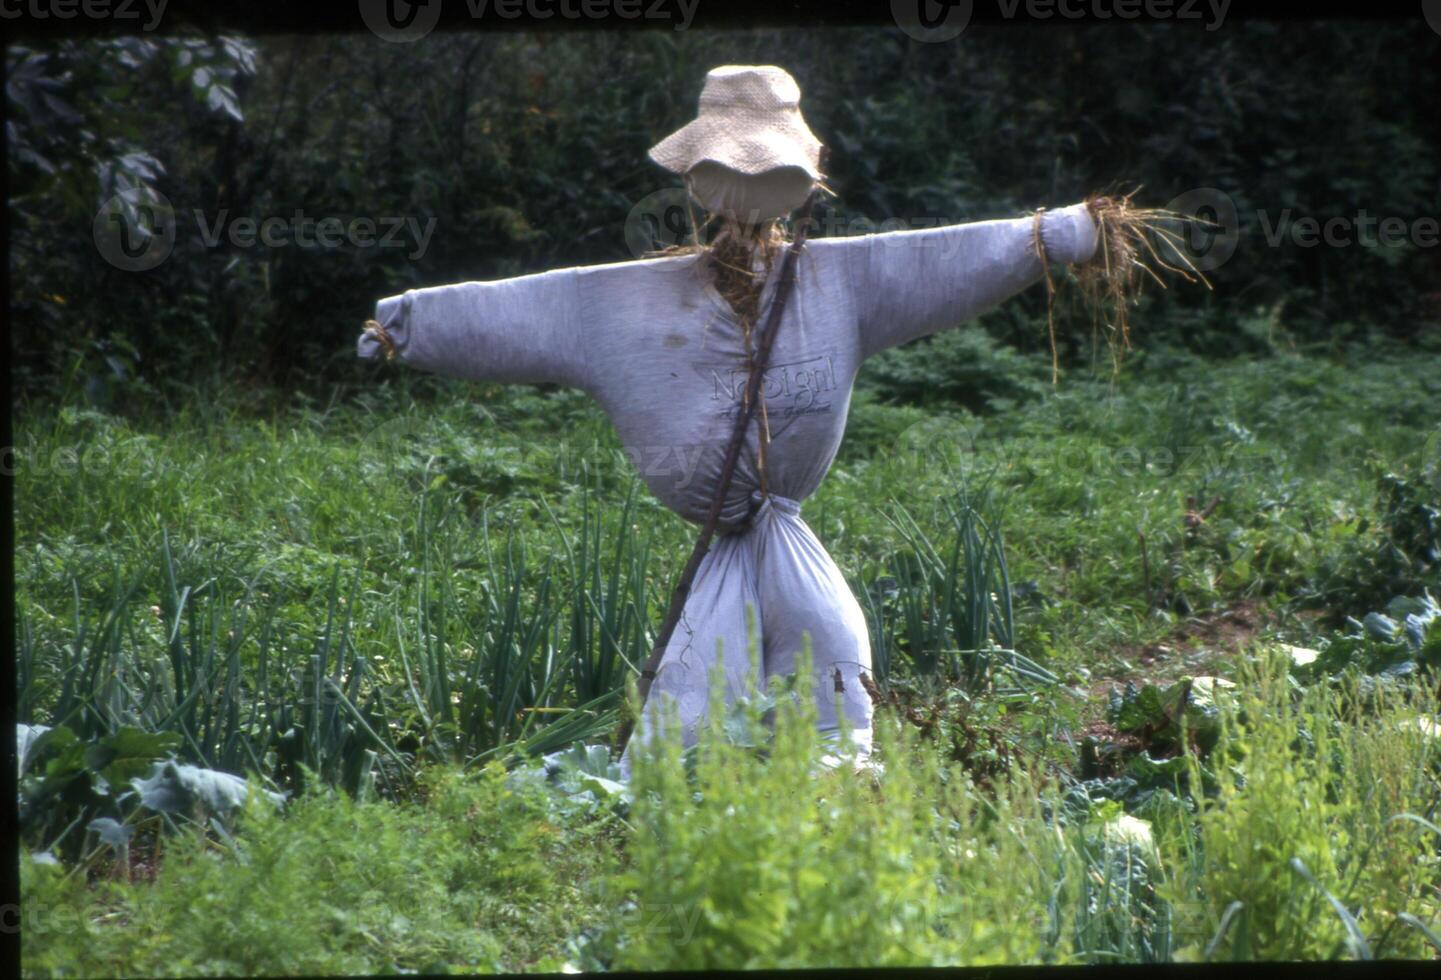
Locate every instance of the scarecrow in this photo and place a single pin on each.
(727, 369)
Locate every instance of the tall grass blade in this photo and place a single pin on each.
(1356, 939)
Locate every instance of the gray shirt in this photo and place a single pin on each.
(654, 343)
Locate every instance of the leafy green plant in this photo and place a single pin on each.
(1119, 914)
(771, 859)
(1400, 552)
(584, 779)
(67, 784)
(288, 715)
(950, 616)
(495, 671)
(610, 634)
(965, 367)
(521, 671)
(1404, 639)
(1170, 718)
(1332, 870)
(470, 876)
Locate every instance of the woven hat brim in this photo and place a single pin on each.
(747, 143)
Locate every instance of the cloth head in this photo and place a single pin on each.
(748, 153)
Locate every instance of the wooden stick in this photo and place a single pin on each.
(744, 415)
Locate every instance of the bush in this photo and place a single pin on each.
(965, 367)
(473, 878)
(1310, 846)
(771, 860)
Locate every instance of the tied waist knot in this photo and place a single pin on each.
(764, 503)
(745, 513)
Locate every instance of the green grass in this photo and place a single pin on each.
(380, 592)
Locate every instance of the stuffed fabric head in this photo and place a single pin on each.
(748, 154)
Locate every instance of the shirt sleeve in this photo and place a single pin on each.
(908, 284)
(523, 330)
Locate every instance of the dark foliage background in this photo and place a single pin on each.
(528, 150)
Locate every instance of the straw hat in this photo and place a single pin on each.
(748, 152)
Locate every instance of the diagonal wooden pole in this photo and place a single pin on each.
(759, 360)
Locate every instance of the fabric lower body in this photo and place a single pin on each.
(777, 572)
